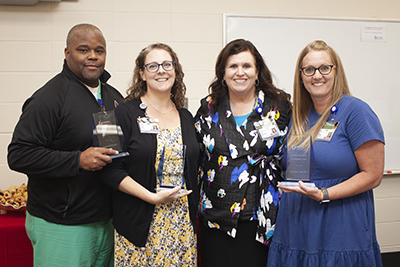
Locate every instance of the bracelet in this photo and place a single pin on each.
(320, 195)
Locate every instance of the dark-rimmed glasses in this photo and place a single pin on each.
(324, 70)
(153, 66)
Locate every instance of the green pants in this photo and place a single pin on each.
(58, 245)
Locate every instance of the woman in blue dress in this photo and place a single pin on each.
(332, 224)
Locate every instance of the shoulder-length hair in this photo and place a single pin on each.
(217, 89)
(302, 102)
(138, 87)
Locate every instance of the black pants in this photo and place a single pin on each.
(220, 250)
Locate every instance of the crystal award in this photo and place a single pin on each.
(300, 162)
(107, 133)
(172, 169)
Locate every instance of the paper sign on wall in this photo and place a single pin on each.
(373, 32)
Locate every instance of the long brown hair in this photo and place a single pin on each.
(218, 90)
(138, 87)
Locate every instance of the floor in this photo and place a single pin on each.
(391, 259)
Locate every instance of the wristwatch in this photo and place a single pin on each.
(325, 196)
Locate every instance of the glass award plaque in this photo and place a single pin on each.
(172, 168)
(107, 133)
(300, 162)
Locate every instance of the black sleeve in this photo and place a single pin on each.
(113, 174)
(29, 150)
(200, 114)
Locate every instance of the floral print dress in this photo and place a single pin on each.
(171, 240)
(240, 171)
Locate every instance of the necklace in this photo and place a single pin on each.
(161, 113)
(254, 106)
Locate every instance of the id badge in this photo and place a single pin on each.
(267, 128)
(148, 125)
(327, 131)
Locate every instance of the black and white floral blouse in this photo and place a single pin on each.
(239, 172)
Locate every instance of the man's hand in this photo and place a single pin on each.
(95, 158)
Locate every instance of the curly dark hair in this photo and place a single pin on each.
(138, 87)
(218, 90)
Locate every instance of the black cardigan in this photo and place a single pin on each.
(132, 216)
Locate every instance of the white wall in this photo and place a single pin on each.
(32, 39)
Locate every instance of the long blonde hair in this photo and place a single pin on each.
(302, 102)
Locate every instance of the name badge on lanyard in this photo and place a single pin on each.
(267, 127)
(327, 131)
(147, 124)
(329, 128)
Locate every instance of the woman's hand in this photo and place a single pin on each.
(311, 192)
(168, 195)
(131, 187)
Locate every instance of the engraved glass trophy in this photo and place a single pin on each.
(107, 133)
(300, 162)
(172, 169)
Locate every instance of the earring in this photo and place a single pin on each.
(223, 83)
(257, 82)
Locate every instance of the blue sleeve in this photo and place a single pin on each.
(362, 124)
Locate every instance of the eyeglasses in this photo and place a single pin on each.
(324, 70)
(153, 66)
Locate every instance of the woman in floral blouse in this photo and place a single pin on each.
(242, 124)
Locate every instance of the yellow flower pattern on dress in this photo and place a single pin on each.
(171, 240)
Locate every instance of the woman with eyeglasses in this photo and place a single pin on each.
(333, 223)
(241, 124)
(155, 188)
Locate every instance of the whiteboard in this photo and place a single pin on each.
(372, 67)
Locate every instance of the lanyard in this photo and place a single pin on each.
(99, 99)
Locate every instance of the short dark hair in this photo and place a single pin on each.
(84, 27)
